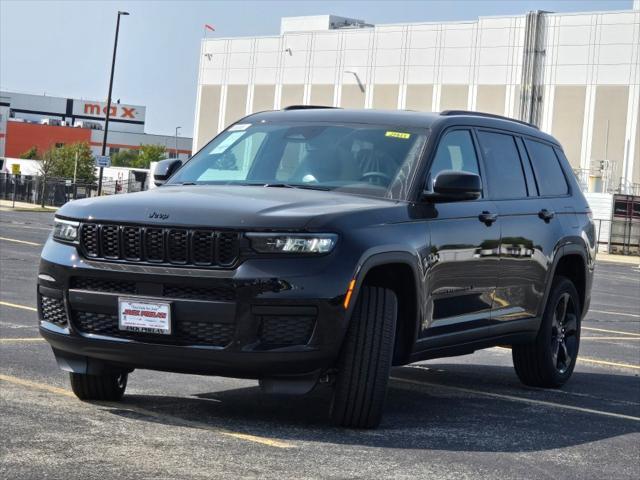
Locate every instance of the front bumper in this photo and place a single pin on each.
(267, 318)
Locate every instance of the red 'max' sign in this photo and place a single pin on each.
(117, 111)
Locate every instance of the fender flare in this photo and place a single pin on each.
(380, 256)
(570, 248)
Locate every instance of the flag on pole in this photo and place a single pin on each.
(209, 27)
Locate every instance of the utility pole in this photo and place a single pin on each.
(75, 168)
(108, 107)
(177, 128)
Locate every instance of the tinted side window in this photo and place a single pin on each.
(504, 169)
(455, 152)
(547, 169)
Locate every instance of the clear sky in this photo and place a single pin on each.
(64, 47)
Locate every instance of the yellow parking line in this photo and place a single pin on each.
(19, 340)
(513, 398)
(605, 362)
(36, 385)
(593, 360)
(593, 329)
(20, 241)
(271, 442)
(15, 305)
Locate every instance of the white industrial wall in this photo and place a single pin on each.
(473, 65)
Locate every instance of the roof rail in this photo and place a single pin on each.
(447, 113)
(306, 107)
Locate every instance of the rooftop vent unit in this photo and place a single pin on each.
(315, 23)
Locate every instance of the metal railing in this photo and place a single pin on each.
(618, 236)
(57, 191)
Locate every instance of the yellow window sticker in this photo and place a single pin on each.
(402, 135)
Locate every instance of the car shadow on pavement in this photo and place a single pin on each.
(449, 407)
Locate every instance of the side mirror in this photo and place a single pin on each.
(454, 186)
(164, 169)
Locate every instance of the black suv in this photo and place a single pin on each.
(318, 245)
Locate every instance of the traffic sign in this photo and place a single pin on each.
(15, 169)
(103, 161)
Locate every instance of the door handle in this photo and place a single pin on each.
(487, 217)
(546, 215)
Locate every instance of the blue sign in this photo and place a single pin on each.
(103, 161)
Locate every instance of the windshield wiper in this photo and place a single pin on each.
(295, 185)
(281, 185)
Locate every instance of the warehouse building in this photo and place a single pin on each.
(44, 121)
(574, 75)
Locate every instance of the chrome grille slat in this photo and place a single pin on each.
(160, 245)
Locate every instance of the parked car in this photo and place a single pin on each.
(319, 245)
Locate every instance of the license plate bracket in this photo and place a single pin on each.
(145, 316)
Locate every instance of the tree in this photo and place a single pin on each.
(31, 154)
(125, 158)
(64, 162)
(150, 153)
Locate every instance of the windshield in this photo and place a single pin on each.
(361, 159)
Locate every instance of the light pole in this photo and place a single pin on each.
(177, 128)
(108, 107)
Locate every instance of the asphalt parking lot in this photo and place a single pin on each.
(463, 417)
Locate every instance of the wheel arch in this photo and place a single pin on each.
(571, 262)
(400, 272)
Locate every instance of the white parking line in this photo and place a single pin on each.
(15, 305)
(33, 244)
(512, 398)
(619, 332)
(608, 312)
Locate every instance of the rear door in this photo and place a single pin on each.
(529, 227)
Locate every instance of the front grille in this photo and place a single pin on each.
(100, 285)
(53, 311)
(279, 331)
(171, 246)
(186, 333)
(215, 291)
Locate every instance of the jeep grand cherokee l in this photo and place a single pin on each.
(326, 245)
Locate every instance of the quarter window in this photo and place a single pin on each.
(549, 175)
(455, 152)
(504, 168)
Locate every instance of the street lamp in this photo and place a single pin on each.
(177, 128)
(108, 108)
(355, 74)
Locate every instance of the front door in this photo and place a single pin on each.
(464, 253)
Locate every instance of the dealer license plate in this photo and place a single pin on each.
(144, 316)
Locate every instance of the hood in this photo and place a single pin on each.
(236, 207)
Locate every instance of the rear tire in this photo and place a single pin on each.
(109, 387)
(365, 360)
(550, 359)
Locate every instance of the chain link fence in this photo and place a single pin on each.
(58, 191)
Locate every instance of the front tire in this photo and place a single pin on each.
(549, 360)
(108, 387)
(365, 360)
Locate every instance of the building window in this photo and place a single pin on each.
(58, 145)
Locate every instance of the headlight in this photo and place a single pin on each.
(65, 230)
(293, 243)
